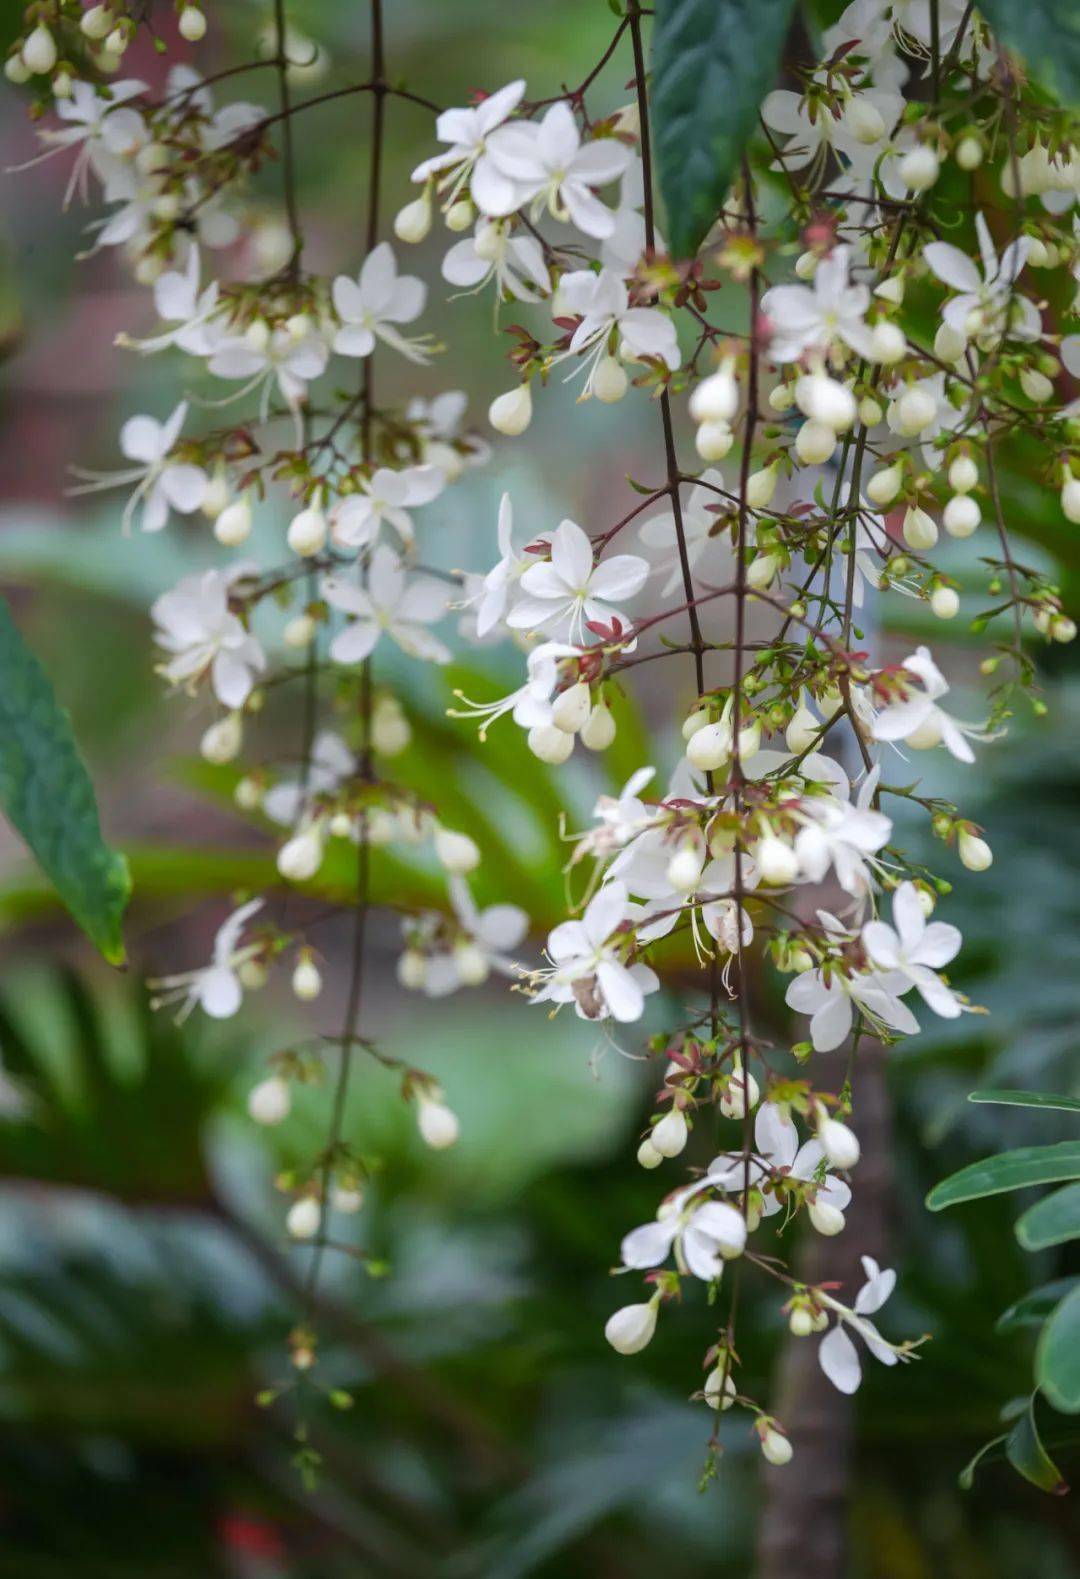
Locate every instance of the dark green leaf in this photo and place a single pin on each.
(966, 1477)
(1057, 1358)
(1052, 1220)
(1033, 1309)
(1029, 1458)
(46, 793)
(713, 63)
(1046, 1099)
(1009, 1170)
(1046, 33)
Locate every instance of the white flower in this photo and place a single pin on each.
(196, 626)
(190, 310)
(388, 496)
(389, 603)
(515, 262)
(622, 250)
(621, 817)
(530, 704)
(330, 765)
(603, 303)
(482, 945)
(914, 949)
(276, 358)
(503, 578)
(918, 719)
(547, 164)
(161, 482)
(97, 121)
(568, 590)
(216, 988)
(372, 304)
(704, 1235)
(779, 1156)
(467, 131)
(837, 1355)
(838, 834)
(699, 518)
(813, 130)
(807, 318)
(984, 300)
(830, 995)
(588, 970)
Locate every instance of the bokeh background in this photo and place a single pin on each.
(145, 1287)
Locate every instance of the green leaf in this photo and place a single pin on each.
(1057, 1358)
(1052, 1220)
(1046, 33)
(966, 1478)
(713, 61)
(1026, 1454)
(1009, 1170)
(1033, 1309)
(1045, 1099)
(46, 793)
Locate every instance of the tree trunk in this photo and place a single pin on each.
(804, 1526)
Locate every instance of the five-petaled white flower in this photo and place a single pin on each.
(810, 318)
(546, 163)
(516, 263)
(216, 987)
(918, 720)
(704, 1234)
(391, 603)
(985, 300)
(196, 626)
(467, 130)
(837, 1355)
(374, 302)
(162, 482)
(913, 950)
(568, 589)
(603, 303)
(588, 968)
(388, 496)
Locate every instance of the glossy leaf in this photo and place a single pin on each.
(1033, 1309)
(1026, 1454)
(1057, 1358)
(46, 794)
(1044, 1099)
(1009, 1170)
(1046, 34)
(713, 63)
(1051, 1221)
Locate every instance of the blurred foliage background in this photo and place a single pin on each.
(145, 1288)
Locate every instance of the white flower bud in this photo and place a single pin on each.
(412, 970)
(257, 336)
(301, 856)
(412, 223)
(945, 603)
(609, 381)
(776, 861)
(647, 1154)
(16, 70)
(1070, 499)
(304, 1218)
(572, 707)
(631, 1329)
(233, 524)
(460, 215)
(806, 265)
(713, 440)
(307, 531)
(760, 487)
(390, 729)
(802, 731)
(599, 728)
(741, 1095)
(814, 443)
(192, 24)
(306, 979)
(863, 119)
(800, 1322)
(963, 475)
(709, 747)
(269, 1102)
(888, 344)
(1062, 629)
(488, 242)
(920, 168)
(511, 413)
(114, 48)
(96, 23)
(915, 410)
(549, 743)
(471, 963)
(761, 571)
(670, 1135)
(969, 152)
(870, 411)
(827, 1220)
(776, 1447)
(715, 1384)
(39, 51)
(62, 85)
(949, 343)
(826, 401)
(891, 290)
(961, 515)
(248, 794)
(716, 398)
(694, 721)
(685, 866)
(884, 486)
(438, 1125)
(222, 741)
(341, 826)
(920, 529)
(253, 975)
(782, 397)
(300, 631)
(839, 1143)
(457, 853)
(1038, 253)
(344, 1198)
(974, 852)
(298, 326)
(151, 158)
(1036, 386)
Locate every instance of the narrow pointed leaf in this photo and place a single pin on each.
(966, 1478)
(1045, 1099)
(713, 63)
(1057, 1358)
(1009, 1170)
(1026, 1454)
(1051, 1221)
(47, 796)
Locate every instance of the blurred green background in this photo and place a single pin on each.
(145, 1288)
